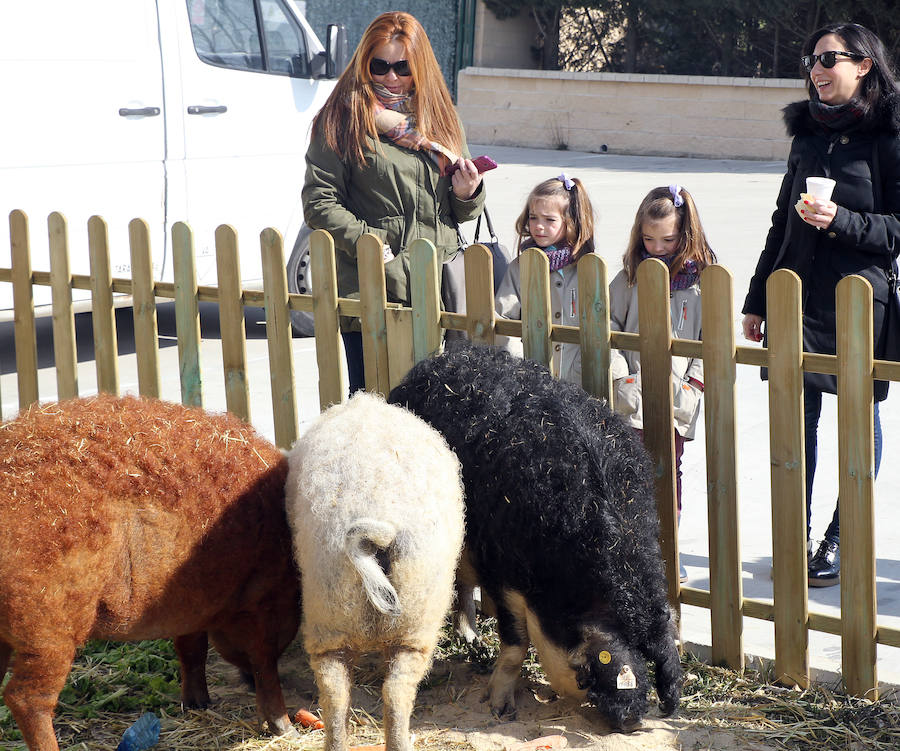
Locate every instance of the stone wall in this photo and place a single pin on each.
(624, 113)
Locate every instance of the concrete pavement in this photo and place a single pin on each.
(735, 200)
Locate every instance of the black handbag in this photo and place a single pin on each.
(889, 343)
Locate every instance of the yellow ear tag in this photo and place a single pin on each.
(604, 657)
(626, 679)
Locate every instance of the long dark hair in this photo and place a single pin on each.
(880, 82)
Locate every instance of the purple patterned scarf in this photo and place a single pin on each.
(558, 255)
(684, 279)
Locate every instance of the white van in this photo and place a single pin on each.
(168, 110)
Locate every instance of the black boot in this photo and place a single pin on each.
(825, 566)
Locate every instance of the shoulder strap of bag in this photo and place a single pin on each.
(490, 226)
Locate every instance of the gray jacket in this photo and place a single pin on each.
(686, 321)
(566, 363)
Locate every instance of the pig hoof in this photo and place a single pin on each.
(284, 729)
(504, 710)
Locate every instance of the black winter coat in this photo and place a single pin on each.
(863, 238)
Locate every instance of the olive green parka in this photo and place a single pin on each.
(397, 195)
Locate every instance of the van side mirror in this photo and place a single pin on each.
(336, 51)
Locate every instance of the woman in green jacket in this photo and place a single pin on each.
(378, 162)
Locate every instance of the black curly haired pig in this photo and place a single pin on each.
(562, 532)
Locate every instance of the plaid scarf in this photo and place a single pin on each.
(394, 119)
(684, 279)
(837, 117)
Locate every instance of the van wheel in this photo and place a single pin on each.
(299, 281)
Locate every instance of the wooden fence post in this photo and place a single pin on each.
(593, 296)
(536, 307)
(479, 268)
(425, 294)
(373, 299)
(720, 379)
(146, 330)
(24, 330)
(231, 322)
(106, 348)
(856, 486)
(187, 315)
(786, 445)
(65, 353)
(279, 333)
(326, 319)
(655, 324)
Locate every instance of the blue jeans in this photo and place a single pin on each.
(812, 408)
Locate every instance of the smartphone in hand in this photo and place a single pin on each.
(482, 164)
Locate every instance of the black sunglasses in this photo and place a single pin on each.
(828, 59)
(379, 67)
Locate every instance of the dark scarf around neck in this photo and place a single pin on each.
(837, 117)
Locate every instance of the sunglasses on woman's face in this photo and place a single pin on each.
(379, 67)
(828, 59)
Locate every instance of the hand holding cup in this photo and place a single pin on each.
(815, 206)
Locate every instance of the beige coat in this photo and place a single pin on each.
(685, 314)
(566, 363)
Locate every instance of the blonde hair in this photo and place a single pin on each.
(692, 244)
(576, 210)
(347, 119)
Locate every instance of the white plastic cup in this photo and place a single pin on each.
(820, 187)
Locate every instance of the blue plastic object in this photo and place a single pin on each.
(143, 734)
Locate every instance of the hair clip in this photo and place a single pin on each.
(677, 198)
(567, 182)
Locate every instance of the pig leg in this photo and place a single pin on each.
(32, 693)
(406, 668)
(5, 653)
(255, 655)
(501, 689)
(332, 670)
(465, 617)
(191, 649)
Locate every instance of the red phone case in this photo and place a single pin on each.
(482, 163)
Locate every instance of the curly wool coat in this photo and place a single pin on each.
(561, 525)
(126, 518)
(863, 238)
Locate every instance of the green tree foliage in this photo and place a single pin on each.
(695, 37)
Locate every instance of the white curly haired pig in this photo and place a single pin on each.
(375, 504)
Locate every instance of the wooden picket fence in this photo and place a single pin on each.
(396, 337)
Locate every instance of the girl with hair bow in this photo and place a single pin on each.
(667, 227)
(558, 219)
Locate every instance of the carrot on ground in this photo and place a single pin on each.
(308, 720)
(377, 747)
(547, 742)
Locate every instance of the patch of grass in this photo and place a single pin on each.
(122, 677)
(109, 677)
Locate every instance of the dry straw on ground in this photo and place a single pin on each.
(112, 684)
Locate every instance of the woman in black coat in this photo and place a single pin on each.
(848, 130)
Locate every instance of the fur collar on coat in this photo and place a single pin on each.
(798, 121)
